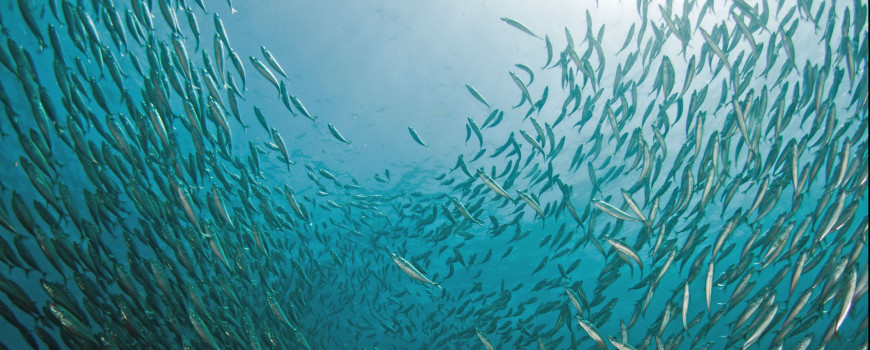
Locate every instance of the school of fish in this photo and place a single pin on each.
(632, 211)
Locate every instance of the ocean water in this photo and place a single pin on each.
(138, 209)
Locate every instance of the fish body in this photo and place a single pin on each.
(337, 134)
(592, 332)
(270, 59)
(301, 108)
(531, 202)
(494, 186)
(477, 95)
(519, 26)
(265, 72)
(412, 271)
(484, 339)
(417, 137)
(628, 251)
(613, 211)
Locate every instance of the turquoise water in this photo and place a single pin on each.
(166, 217)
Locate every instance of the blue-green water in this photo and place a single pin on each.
(139, 209)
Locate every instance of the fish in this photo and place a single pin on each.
(634, 207)
(219, 53)
(70, 323)
(417, 137)
(336, 134)
(192, 22)
(484, 339)
(549, 50)
(715, 48)
(281, 147)
(519, 26)
(848, 298)
(628, 251)
(270, 59)
(613, 211)
(522, 86)
(29, 17)
(708, 285)
(301, 108)
(473, 126)
(531, 202)
(285, 97)
(766, 319)
(628, 38)
(237, 63)
(685, 308)
(464, 211)
(619, 344)
(261, 118)
(493, 185)
(202, 330)
(266, 73)
(531, 140)
(412, 271)
(591, 331)
(477, 95)
(528, 71)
